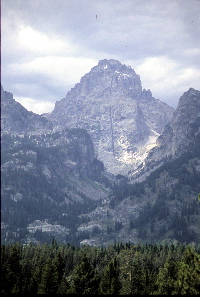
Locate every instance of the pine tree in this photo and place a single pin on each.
(12, 270)
(110, 283)
(84, 280)
(5, 270)
(49, 279)
(59, 265)
(166, 277)
(188, 276)
(137, 277)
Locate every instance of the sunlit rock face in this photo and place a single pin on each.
(123, 119)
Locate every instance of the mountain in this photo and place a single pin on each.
(47, 178)
(160, 202)
(53, 186)
(184, 125)
(122, 119)
(15, 119)
(177, 135)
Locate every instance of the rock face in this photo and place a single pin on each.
(15, 119)
(167, 199)
(54, 186)
(180, 133)
(122, 119)
(65, 154)
(46, 176)
(184, 125)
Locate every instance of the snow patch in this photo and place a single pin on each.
(125, 75)
(122, 74)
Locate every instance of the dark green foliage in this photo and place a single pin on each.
(84, 280)
(11, 269)
(188, 274)
(180, 278)
(115, 269)
(110, 283)
(166, 277)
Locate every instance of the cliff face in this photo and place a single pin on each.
(54, 186)
(178, 135)
(161, 201)
(15, 119)
(184, 125)
(45, 175)
(30, 146)
(122, 119)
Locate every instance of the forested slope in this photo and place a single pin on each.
(117, 269)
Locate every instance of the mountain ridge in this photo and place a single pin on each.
(120, 117)
(54, 185)
(177, 134)
(16, 119)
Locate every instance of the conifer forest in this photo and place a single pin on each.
(120, 269)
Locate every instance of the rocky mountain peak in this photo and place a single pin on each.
(180, 134)
(189, 105)
(185, 118)
(114, 65)
(108, 63)
(16, 119)
(6, 96)
(122, 119)
(108, 78)
(185, 122)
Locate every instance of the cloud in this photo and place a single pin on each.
(167, 78)
(34, 105)
(48, 45)
(31, 40)
(156, 68)
(49, 77)
(60, 70)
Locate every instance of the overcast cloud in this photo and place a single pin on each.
(48, 45)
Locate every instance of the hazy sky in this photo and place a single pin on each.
(48, 45)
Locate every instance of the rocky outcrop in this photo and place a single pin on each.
(56, 156)
(184, 125)
(122, 119)
(53, 184)
(178, 136)
(15, 119)
(46, 176)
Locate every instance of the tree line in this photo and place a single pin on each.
(122, 268)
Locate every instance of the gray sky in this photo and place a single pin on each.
(48, 45)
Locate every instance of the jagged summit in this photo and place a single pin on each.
(114, 65)
(16, 119)
(108, 61)
(178, 135)
(187, 111)
(122, 119)
(107, 78)
(6, 96)
(190, 99)
(184, 124)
